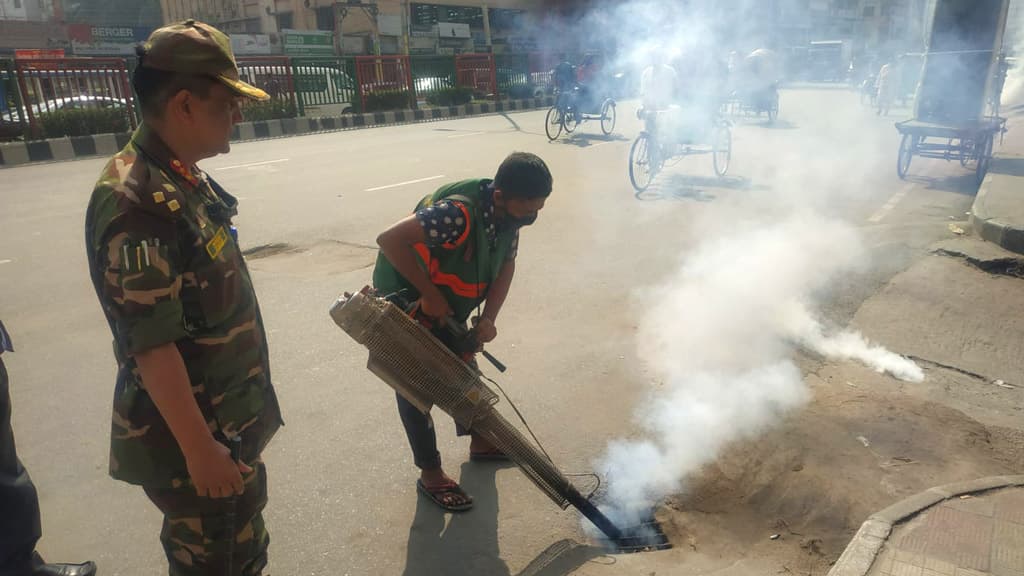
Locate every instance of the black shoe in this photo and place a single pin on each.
(41, 568)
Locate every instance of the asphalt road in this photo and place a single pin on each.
(342, 497)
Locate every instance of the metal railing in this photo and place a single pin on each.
(386, 80)
(432, 75)
(512, 72)
(476, 71)
(13, 122)
(34, 91)
(273, 75)
(48, 86)
(326, 86)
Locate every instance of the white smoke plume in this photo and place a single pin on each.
(1013, 88)
(721, 333)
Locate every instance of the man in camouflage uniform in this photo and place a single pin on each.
(193, 375)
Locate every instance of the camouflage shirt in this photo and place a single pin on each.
(167, 269)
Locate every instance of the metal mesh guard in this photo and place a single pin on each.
(410, 360)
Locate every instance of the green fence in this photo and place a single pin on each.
(433, 79)
(12, 116)
(325, 86)
(512, 72)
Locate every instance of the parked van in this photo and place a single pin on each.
(322, 90)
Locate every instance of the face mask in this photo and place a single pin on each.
(512, 223)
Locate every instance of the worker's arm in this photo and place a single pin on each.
(485, 329)
(396, 243)
(209, 462)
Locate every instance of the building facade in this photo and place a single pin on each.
(25, 10)
(381, 26)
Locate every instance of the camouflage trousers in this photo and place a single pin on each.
(197, 532)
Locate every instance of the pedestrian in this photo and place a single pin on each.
(20, 526)
(456, 252)
(886, 85)
(194, 406)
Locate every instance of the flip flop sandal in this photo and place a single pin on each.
(437, 494)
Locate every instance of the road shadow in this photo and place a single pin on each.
(564, 557)
(468, 544)
(965, 184)
(584, 140)
(1007, 166)
(680, 187)
(515, 125)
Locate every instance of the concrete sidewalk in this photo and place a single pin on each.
(966, 529)
(998, 212)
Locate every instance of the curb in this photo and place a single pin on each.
(75, 147)
(990, 228)
(860, 553)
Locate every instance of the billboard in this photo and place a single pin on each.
(308, 42)
(453, 30)
(90, 40)
(250, 44)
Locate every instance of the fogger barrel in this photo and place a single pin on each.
(410, 360)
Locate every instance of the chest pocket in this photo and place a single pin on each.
(214, 291)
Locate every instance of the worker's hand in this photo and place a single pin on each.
(214, 474)
(434, 305)
(484, 328)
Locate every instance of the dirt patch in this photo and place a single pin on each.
(325, 257)
(268, 250)
(796, 494)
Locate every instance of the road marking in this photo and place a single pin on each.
(464, 135)
(6, 261)
(407, 182)
(252, 164)
(888, 206)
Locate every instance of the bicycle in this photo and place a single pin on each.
(566, 114)
(649, 152)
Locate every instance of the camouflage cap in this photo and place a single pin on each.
(191, 47)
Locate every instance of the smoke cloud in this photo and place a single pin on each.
(1013, 88)
(721, 336)
(721, 331)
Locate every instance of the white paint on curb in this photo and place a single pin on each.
(106, 144)
(61, 149)
(246, 131)
(15, 153)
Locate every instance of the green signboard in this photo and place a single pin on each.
(308, 42)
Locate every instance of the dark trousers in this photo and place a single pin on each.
(419, 427)
(20, 527)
